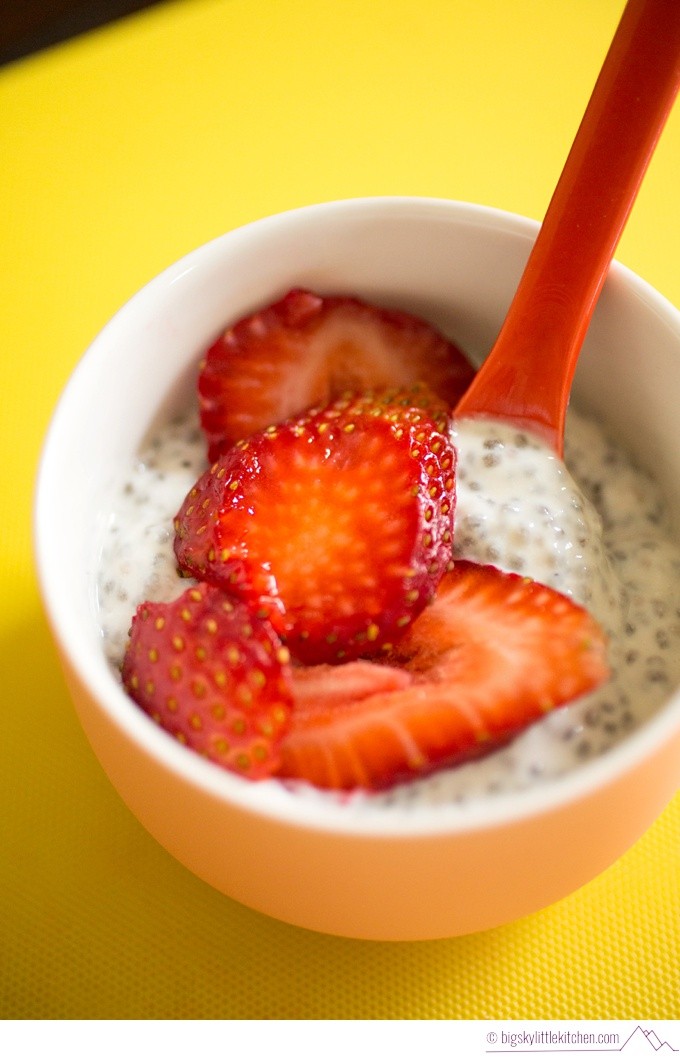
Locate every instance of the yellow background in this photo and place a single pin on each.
(119, 152)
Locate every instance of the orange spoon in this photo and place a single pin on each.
(526, 378)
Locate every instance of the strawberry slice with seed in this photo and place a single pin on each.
(494, 653)
(214, 675)
(305, 350)
(348, 511)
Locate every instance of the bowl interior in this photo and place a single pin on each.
(456, 264)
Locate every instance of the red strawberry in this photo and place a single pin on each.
(348, 511)
(306, 350)
(214, 676)
(492, 654)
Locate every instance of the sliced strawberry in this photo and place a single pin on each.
(348, 511)
(491, 655)
(214, 675)
(305, 350)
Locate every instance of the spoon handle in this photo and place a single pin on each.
(527, 377)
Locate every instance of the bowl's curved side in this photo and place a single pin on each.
(390, 886)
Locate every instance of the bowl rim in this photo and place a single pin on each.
(270, 798)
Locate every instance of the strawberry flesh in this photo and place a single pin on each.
(213, 675)
(491, 655)
(344, 517)
(336, 685)
(305, 350)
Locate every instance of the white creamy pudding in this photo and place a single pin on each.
(593, 527)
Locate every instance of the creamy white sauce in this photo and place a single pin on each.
(594, 527)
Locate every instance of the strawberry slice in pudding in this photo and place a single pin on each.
(214, 676)
(305, 350)
(492, 654)
(339, 523)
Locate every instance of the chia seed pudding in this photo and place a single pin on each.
(594, 527)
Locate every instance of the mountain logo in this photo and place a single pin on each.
(646, 1042)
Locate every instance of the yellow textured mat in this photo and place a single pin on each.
(120, 152)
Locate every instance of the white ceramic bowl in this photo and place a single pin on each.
(428, 873)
